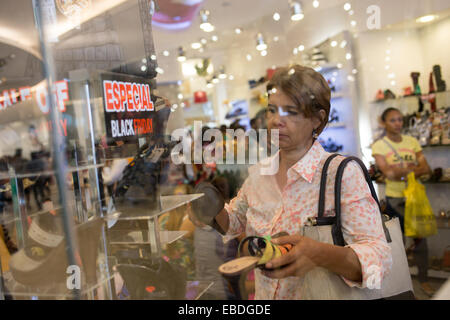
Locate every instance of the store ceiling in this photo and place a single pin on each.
(17, 25)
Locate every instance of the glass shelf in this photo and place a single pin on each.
(335, 125)
(5, 175)
(436, 146)
(168, 203)
(409, 97)
(58, 292)
(166, 237)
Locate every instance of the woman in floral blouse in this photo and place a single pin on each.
(299, 106)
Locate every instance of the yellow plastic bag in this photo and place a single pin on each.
(420, 221)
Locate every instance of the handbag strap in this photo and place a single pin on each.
(393, 149)
(323, 182)
(338, 237)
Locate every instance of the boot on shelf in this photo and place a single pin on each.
(415, 77)
(432, 96)
(440, 83)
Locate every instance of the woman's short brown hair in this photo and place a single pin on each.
(307, 88)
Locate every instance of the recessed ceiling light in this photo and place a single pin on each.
(159, 70)
(196, 45)
(301, 47)
(203, 41)
(276, 16)
(343, 44)
(249, 57)
(334, 43)
(276, 38)
(166, 53)
(264, 53)
(153, 57)
(143, 68)
(425, 19)
(348, 56)
(316, 3)
(238, 31)
(353, 23)
(214, 38)
(347, 6)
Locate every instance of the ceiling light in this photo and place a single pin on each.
(205, 24)
(203, 41)
(301, 47)
(391, 75)
(231, 77)
(209, 85)
(144, 60)
(153, 57)
(353, 23)
(351, 12)
(425, 19)
(387, 67)
(260, 44)
(181, 55)
(222, 74)
(354, 71)
(196, 45)
(180, 96)
(350, 78)
(343, 44)
(316, 4)
(249, 57)
(215, 80)
(276, 16)
(334, 43)
(264, 53)
(296, 11)
(143, 68)
(166, 53)
(276, 38)
(340, 65)
(201, 50)
(388, 51)
(159, 70)
(348, 56)
(214, 38)
(347, 6)
(238, 30)
(388, 59)
(393, 83)
(295, 51)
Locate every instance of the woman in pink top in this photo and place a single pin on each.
(299, 106)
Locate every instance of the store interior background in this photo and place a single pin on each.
(380, 59)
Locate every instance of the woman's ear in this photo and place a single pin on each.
(320, 119)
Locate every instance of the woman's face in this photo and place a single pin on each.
(295, 130)
(394, 122)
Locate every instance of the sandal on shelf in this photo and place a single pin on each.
(261, 250)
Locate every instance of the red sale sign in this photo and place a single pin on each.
(127, 96)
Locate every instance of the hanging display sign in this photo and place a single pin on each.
(128, 106)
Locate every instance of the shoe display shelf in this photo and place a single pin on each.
(342, 76)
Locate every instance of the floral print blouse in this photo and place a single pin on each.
(261, 208)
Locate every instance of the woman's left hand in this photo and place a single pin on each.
(303, 257)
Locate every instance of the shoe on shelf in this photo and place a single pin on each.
(427, 289)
